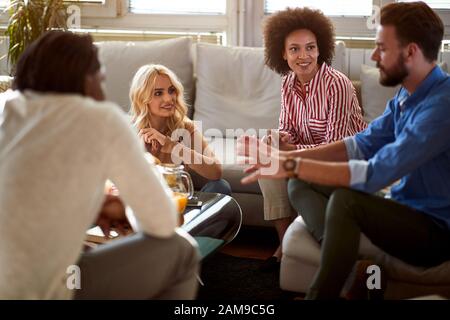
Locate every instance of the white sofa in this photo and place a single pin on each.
(229, 89)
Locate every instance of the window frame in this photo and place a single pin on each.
(333, 16)
(109, 9)
(353, 27)
(186, 23)
(241, 25)
(346, 27)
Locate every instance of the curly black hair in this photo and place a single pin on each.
(58, 61)
(280, 24)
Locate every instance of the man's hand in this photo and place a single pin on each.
(250, 148)
(112, 216)
(264, 160)
(273, 171)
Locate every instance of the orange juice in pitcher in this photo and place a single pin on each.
(180, 182)
(181, 200)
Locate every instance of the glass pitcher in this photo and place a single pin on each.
(180, 182)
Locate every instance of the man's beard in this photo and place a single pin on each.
(395, 76)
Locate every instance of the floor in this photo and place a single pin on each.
(257, 243)
(253, 242)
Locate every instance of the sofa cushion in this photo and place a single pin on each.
(235, 90)
(122, 59)
(224, 149)
(374, 96)
(5, 83)
(339, 60)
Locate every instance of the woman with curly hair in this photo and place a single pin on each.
(158, 111)
(318, 103)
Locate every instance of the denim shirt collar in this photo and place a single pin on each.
(422, 90)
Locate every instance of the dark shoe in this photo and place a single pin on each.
(270, 265)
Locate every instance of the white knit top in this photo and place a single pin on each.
(56, 151)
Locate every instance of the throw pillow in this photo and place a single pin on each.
(122, 59)
(235, 90)
(5, 83)
(374, 96)
(443, 66)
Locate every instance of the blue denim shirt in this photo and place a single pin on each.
(409, 141)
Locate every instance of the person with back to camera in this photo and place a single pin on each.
(158, 111)
(59, 143)
(318, 103)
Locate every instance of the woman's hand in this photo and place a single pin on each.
(150, 134)
(279, 140)
(156, 140)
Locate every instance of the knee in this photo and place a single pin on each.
(218, 186)
(340, 203)
(341, 196)
(186, 248)
(295, 186)
(180, 248)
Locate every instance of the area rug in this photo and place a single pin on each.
(232, 278)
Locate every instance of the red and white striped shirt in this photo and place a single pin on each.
(328, 111)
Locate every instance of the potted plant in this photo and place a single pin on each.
(28, 20)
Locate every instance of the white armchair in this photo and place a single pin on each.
(301, 259)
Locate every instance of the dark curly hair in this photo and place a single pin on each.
(58, 61)
(280, 24)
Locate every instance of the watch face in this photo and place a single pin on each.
(289, 164)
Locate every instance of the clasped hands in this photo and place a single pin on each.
(279, 140)
(112, 214)
(156, 140)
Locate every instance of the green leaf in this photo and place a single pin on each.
(29, 21)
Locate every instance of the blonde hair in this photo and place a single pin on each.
(141, 93)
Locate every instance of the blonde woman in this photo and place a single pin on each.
(159, 111)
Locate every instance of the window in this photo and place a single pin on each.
(98, 8)
(435, 4)
(204, 20)
(89, 8)
(339, 7)
(4, 3)
(178, 6)
(87, 1)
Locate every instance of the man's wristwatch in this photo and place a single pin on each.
(290, 165)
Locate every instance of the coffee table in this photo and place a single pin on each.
(215, 223)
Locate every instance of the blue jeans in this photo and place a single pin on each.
(217, 186)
